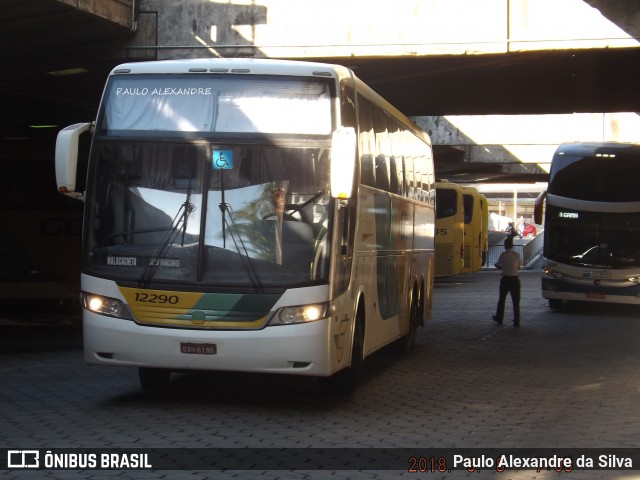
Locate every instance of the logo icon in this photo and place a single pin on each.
(23, 459)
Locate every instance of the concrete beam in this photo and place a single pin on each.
(119, 12)
(406, 28)
(525, 141)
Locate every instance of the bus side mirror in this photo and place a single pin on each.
(538, 208)
(343, 154)
(67, 158)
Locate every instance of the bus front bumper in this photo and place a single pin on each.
(586, 291)
(300, 349)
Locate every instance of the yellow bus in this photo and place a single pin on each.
(449, 229)
(484, 239)
(250, 215)
(473, 229)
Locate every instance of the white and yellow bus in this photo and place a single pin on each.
(449, 229)
(250, 215)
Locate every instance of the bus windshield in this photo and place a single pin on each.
(592, 239)
(220, 215)
(468, 208)
(446, 203)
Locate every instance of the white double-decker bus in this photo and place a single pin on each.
(592, 224)
(250, 215)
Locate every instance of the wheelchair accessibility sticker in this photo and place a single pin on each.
(223, 159)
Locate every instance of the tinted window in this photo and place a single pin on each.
(609, 179)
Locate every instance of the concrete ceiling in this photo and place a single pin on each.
(36, 25)
(561, 81)
(38, 37)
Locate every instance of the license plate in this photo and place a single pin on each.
(198, 348)
(600, 296)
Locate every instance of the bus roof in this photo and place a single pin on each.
(263, 66)
(446, 184)
(591, 148)
(258, 66)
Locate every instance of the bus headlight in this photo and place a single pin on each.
(300, 314)
(110, 307)
(634, 279)
(550, 272)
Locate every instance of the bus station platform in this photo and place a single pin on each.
(566, 379)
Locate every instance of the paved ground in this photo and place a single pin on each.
(562, 380)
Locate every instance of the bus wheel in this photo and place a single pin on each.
(405, 344)
(555, 303)
(344, 382)
(154, 378)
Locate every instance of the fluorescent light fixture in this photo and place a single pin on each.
(43, 126)
(68, 71)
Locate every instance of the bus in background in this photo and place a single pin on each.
(473, 226)
(449, 229)
(484, 239)
(251, 215)
(592, 224)
(41, 237)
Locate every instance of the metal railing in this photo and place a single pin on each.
(529, 250)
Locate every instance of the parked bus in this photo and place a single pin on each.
(251, 215)
(449, 229)
(474, 244)
(592, 224)
(40, 238)
(484, 238)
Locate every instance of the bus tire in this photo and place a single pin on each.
(154, 379)
(555, 303)
(405, 344)
(345, 381)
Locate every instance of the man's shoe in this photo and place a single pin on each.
(497, 320)
(516, 323)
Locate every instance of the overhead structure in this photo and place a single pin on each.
(429, 59)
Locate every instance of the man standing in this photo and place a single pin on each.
(509, 263)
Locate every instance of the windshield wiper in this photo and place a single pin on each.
(179, 223)
(245, 259)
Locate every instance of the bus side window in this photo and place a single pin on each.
(382, 175)
(393, 179)
(417, 192)
(408, 168)
(348, 104)
(367, 173)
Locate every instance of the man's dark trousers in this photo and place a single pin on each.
(509, 285)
